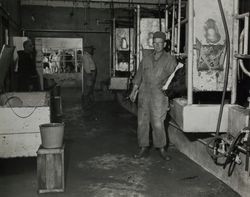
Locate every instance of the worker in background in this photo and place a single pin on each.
(28, 78)
(89, 77)
(152, 74)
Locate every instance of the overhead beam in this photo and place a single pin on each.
(93, 3)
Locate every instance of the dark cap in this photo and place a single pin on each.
(159, 34)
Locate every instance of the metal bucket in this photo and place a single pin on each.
(52, 135)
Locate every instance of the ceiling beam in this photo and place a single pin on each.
(93, 3)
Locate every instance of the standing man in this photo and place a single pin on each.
(152, 74)
(89, 76)
(28, 78)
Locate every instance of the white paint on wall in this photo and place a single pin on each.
(211, 79)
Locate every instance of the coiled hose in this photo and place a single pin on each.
(215, 140)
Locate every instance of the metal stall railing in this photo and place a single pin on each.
(243, 45)
(138, 37)
(175, 32)
(176, 38)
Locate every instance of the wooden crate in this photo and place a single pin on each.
(50, 170)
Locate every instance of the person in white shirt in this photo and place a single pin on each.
(89, 76)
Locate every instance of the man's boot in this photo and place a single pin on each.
(144, 152)
(164, 155)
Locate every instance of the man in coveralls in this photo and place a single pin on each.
(152, 74)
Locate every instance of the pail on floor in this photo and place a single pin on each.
(52, 135)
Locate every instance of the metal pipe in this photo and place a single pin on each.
(63, 31)
(126, 2)
(175, 38)
(75, 51)
(110, 54)
(166, 18)
(183, 22)
(179, 27)
(134, 41)
(159, 15)
(173, 30)
(129, 49)
(111, 41)
(243, 68)
(114, 48)
(241, 16)
(64, 3)
(240, 51)
(138, 37)
(82, 70)
(241, 56)
(246, 33)
(6, 33)
(190, 51)
(243, 48)
(234, 48)
(166, 22)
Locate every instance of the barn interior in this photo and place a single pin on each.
(207, 125)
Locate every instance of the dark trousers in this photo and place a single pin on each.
(28, 83)
(89, 86)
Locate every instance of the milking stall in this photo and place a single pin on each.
(76, 77)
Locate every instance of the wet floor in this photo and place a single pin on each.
(100, 143)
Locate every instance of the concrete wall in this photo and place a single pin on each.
(196, 150)
(9, 18)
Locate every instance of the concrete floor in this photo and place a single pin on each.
(99, 163)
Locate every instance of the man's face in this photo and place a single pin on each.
(29, 47)
(158, 44)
